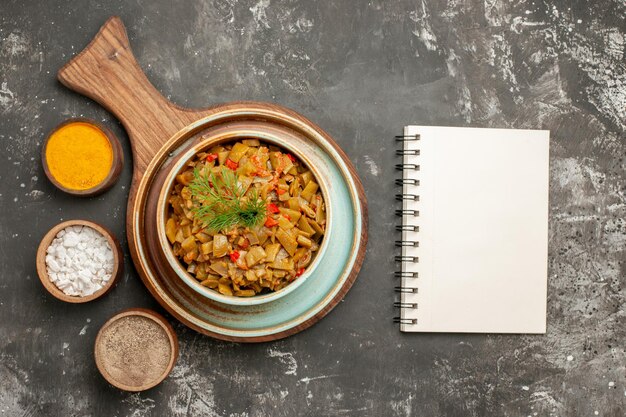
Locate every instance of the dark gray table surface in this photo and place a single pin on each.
(361, 70)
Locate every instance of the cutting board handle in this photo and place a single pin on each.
(107, 72)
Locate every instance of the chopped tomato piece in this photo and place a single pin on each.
(234, 255)
(270, 222)
(300, 272)
(291, 157)
(272, 208)
(244, 243)
(211, 157)
(231, 164)
(280, 191)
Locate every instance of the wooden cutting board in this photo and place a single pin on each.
(107, 72)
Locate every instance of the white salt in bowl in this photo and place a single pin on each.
(42, 271)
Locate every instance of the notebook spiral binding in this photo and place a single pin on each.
(403, 213)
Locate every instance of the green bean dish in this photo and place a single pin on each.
(245, 218)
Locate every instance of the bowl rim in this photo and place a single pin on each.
(42, 272)
(116, 165)
(162, 207)
(157, 318)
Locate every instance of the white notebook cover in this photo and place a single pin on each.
(483, 231)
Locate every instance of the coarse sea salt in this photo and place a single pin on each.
(79, 261)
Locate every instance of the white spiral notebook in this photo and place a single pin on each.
(474, 247)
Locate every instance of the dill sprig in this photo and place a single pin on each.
(222, 203)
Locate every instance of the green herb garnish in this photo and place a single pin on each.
(222, 203)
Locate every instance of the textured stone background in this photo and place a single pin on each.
(361, 69)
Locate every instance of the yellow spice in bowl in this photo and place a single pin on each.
(79, 155)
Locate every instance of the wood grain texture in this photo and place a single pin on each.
(107, 72)
(148, 195)
(42, 272)
(116, 167)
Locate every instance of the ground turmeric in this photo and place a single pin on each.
(79, 155)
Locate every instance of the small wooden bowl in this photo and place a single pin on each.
(146, 384)
(118, 263)
(116, 167)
